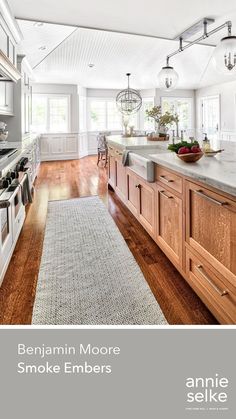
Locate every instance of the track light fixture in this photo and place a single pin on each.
(224, 57)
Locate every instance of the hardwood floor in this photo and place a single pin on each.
(71, 179)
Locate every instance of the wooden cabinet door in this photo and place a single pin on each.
(112, 170)
(121, 181)
(211, 228)
(170, 224)
(147, 206)
(133, 201)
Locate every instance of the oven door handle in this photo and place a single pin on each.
(23, 179)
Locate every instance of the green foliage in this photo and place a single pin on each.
(163, 120)
(177, 146)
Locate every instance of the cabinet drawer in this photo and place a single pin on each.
(216, 292)
(167, 178)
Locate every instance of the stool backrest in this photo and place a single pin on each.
(102, 142)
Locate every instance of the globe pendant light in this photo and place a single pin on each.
(168, 78)
(224, 57)
(128, 101)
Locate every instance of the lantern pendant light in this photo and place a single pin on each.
(168, 77)
(224, 57)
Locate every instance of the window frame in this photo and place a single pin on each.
(49, 96)
(204, 99)
(190, 100)
(106, 100)
(142, 113)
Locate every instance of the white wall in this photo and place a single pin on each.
(227, 92)
(65, 89)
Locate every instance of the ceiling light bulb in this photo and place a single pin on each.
(168, 78)
(224, 57)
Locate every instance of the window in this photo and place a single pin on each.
(103, 115)
(51, 113)
(97, 115)
(148, 123)
(182, 106)
(210, 115)
(114, 117)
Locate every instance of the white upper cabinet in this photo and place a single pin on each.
(3, 39)
(10, 34)
(6, 98)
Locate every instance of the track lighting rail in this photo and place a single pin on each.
(201, 38)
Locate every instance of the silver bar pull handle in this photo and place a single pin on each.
(209, 198)
(222, 293)
(162, 177)
(165, 195)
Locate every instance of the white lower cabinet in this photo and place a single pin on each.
(59, 147)
(6, 238)
(11, 221)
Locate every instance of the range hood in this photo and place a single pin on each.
(8, 71)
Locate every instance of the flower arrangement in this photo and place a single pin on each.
(164, 120)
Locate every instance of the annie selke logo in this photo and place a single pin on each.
(207, 393)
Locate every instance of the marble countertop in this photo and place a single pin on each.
(218, 172)
(134, 143)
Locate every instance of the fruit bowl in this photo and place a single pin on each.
(190, 157)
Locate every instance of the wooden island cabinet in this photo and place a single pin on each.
(193, 224)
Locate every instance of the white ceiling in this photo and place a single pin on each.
(151, 17)
(70, 50)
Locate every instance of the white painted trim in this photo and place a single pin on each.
(10, 21)
(52, 96)
(201, 100)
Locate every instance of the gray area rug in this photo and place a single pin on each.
(88, 274)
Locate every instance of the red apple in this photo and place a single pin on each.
(195, 149)
(183, 150)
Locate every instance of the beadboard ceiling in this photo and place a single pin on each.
(69, 49)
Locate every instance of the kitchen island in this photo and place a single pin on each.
(189, 209)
